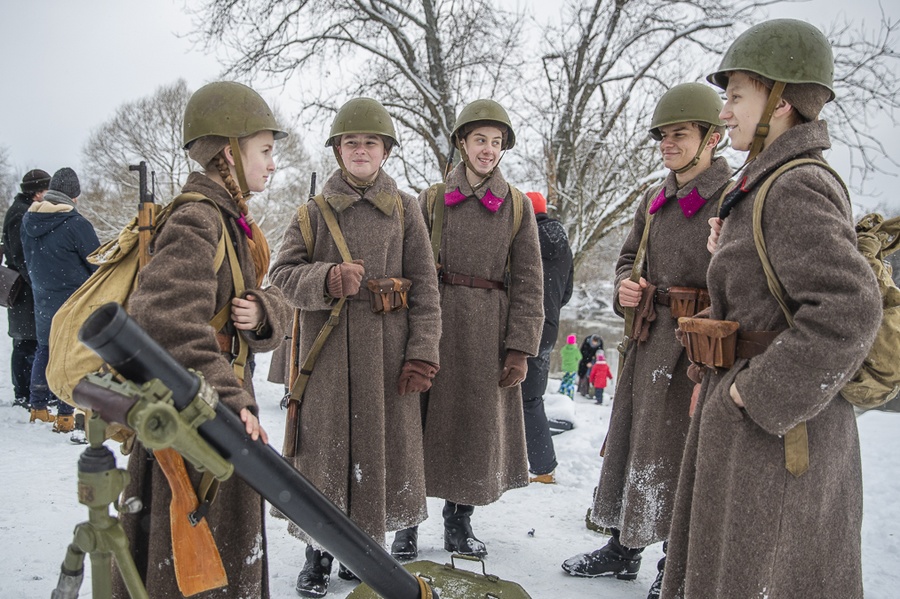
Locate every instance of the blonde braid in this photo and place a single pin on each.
(259, 247)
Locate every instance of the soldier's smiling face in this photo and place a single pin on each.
(745, 100)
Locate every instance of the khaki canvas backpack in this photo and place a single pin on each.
(114, 281)
(878, 379)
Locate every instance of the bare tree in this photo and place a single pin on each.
(150, 129)
(422, 59)
(608, 63)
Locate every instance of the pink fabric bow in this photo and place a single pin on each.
(242, 223)
(689, 204)
(489, 201)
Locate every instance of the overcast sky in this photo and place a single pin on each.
(68, 65)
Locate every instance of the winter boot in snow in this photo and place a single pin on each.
(458, 535)
(344, 573)
(656, 587)
(43, 415)
(64, 424)
(613, 559)
(79, 435)
(316, 572)
(22, 402)
(547, 479)
(406, 544)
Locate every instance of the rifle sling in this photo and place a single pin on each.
(637, 269)
(299, 385)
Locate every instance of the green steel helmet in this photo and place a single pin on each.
(475, 114)
(362, 115)
(787, 50)
(687, 102)
(227, 109)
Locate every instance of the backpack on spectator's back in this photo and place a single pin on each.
(878, 379)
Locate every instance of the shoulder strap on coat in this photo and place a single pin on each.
(435, 212)
(306, 231)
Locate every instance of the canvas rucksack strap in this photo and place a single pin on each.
(796, 442)
(299, 385)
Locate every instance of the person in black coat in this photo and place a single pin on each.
(559, 274)
(589, 348)
(21, 313)
(56, 240)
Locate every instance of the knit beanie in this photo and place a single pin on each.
(571, 339)
(34, 181)
(538, 201)
(65, 181)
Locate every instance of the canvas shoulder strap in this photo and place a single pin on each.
(796, 441)
(309, 239)
(223, 249)
(299, 385)
(637, 270)
(435, 211)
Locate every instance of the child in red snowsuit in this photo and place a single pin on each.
(600, 373)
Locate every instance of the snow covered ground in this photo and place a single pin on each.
(39, 508)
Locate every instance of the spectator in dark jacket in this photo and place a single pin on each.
(589, 348)
(558, 276)
(21, 313)
(56, 240)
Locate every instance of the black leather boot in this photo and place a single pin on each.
(656, 587)
(613, 559)
(344, 573)
(316, 572)
(406, 544)
(458, 535)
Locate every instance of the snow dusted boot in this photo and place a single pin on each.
(43, 415)
(656, 587)
(22, 402)
(613, 559)
(458, 535)
(316, 572)
(344, 573)
(406, 544)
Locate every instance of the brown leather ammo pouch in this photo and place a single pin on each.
(389, 294)
(709, 342)
(687, 301)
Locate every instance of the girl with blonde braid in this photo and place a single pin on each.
(230, 131)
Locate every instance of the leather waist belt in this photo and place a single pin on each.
(449, 278)
(682, 301)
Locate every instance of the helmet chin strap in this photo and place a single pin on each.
(762, 128)
(696, 158)
(353, 181)
(468, 163)
(239, 167)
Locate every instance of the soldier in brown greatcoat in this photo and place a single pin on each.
(492, 317)
(360, 434)
(650, 419)
(178, 294)
(769, 501)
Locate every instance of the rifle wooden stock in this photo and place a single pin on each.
(198, 565)
(292, 420)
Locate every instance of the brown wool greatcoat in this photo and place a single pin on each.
(743, 525)
(649, 421)
(474, 429)
(361, 442)
(178, 293)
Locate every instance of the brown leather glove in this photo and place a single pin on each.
(343, 279)
(416, 376)
(644, 314)
(515, 367)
